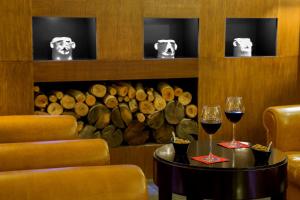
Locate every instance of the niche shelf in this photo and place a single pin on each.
(81, 30)
(183, 30)
(48, 71)
(261, 31)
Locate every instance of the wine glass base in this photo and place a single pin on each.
(214, 159)
(234, 145)
(210, 159)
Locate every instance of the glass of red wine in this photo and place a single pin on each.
(211, 120)
(234, 110)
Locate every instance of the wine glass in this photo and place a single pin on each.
(211, 119)
(234, 110)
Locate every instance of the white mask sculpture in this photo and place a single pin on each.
(242, 47)
(62, 48)
(165, 48)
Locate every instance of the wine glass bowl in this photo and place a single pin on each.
(234, 110)
(211, 120)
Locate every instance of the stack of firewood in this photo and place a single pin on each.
(123, 112)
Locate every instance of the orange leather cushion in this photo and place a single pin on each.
(22, 128)
(294, 167)
(119, 182)
(48, 154)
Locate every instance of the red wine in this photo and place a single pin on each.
(234, 116)
(210, 127)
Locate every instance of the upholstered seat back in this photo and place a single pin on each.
(118, 182)
(283, 126)
(53, 154)
(24, 128)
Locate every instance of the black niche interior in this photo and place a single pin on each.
(81, 30)
(261, 31)
(183, 31)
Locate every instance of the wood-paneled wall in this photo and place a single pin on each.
(262, 81)
(16, 73)
(15, 34)
(16, 96)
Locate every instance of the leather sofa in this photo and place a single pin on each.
(283, 128)
(76, 183)
(24, 128)
(43, 159)
(38, 142)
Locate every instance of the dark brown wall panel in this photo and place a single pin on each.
(16, 88)
(15, 34)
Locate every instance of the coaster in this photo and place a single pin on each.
(203, 159)
(237, 145)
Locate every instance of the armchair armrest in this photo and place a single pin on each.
(51, 154)
(283, 126)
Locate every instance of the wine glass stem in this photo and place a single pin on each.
(210, 147)
(233, 132)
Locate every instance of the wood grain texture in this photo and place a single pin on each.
(121, 30)
(262, 82)
(15, 34)
(64, 8)
(171, 9)
(288, 27)
(212, 29)
(122, 70)
(141, 155)
(16, 94)
(252, 9)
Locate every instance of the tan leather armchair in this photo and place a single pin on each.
(42, 159)
(283, 128)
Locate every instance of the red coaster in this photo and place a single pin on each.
(237, 145)
(217, 159)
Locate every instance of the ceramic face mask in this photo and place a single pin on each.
(62, 48)
(165, 48)
(242, 47)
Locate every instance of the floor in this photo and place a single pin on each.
(153, 193)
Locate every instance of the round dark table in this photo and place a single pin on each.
(239, 178)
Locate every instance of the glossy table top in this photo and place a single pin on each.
(239, 159)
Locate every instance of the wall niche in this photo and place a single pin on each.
(81, 30)
(261, 31)
(183, 30)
